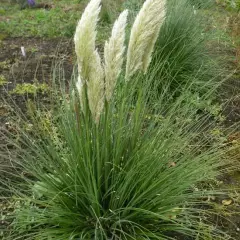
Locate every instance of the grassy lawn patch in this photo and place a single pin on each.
(60, 20)
(57, 20)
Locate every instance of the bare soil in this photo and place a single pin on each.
(36, 66)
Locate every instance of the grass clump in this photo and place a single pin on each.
(182, 48)
(112, 173)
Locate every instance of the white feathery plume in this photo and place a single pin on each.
(144, 35)
(90, 69)
(95, 87)
(113, 54)
(79, 87)
(85, 38)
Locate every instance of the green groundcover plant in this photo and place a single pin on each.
(116, 166)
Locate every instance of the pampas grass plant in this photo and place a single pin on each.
(134, 175)
(182, 47)
(126, 169)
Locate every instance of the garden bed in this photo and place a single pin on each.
(26, 66)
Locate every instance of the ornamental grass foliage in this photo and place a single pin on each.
(183, 49)
(116, 166)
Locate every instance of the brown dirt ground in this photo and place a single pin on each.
(37, 66)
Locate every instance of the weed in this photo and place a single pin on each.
(5, 65)
(28, 88)
(2, 80)
(230, 4)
